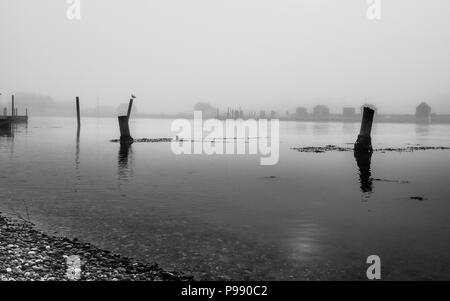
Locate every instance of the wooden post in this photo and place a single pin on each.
(130, 106)
(125, 137)
(26, 112)
(12, 106)
(17, 112)
(364, 141)
(5, 111)
(78, 113)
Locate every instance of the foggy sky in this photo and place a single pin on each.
(258, 54)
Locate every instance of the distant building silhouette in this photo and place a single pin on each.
(262, 114)
(273, 114)
(348, 112)
(207, 110)
(321, 111)
(301, 112)
(423, 112)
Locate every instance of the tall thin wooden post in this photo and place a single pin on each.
(125, 136)
(12, 105)
(78, 113)
(130, 106)
(364, 141)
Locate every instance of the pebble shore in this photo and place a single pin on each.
(27, 254)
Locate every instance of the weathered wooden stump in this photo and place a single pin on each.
(125, 136)
(364, 141)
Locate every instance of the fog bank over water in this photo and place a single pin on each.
(257, 54)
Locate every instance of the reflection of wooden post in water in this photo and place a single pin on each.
(364, 142)
(125, 162)
(125, 137)
(77, 155)
(124, 151)
(78, 114)
(363, 160)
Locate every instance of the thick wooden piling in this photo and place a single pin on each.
(364, 141)
(78, 114)
(130, 106)
(125, 136)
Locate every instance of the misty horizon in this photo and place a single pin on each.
(45, 105)
(258, 55)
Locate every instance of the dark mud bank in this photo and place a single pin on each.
(334, 148)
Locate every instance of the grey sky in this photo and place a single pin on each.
(258, 54)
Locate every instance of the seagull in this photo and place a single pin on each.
(132, 96)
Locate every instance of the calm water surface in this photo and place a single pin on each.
(312, 216)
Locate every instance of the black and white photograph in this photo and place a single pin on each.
(235, 142)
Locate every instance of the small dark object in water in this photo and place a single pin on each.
(392, 181)
(418, 198)
(271, 177)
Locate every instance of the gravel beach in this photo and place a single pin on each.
(27, 254)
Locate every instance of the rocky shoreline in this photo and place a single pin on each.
(27, 254)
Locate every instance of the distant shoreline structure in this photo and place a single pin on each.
(380, 118)
(45, 106)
